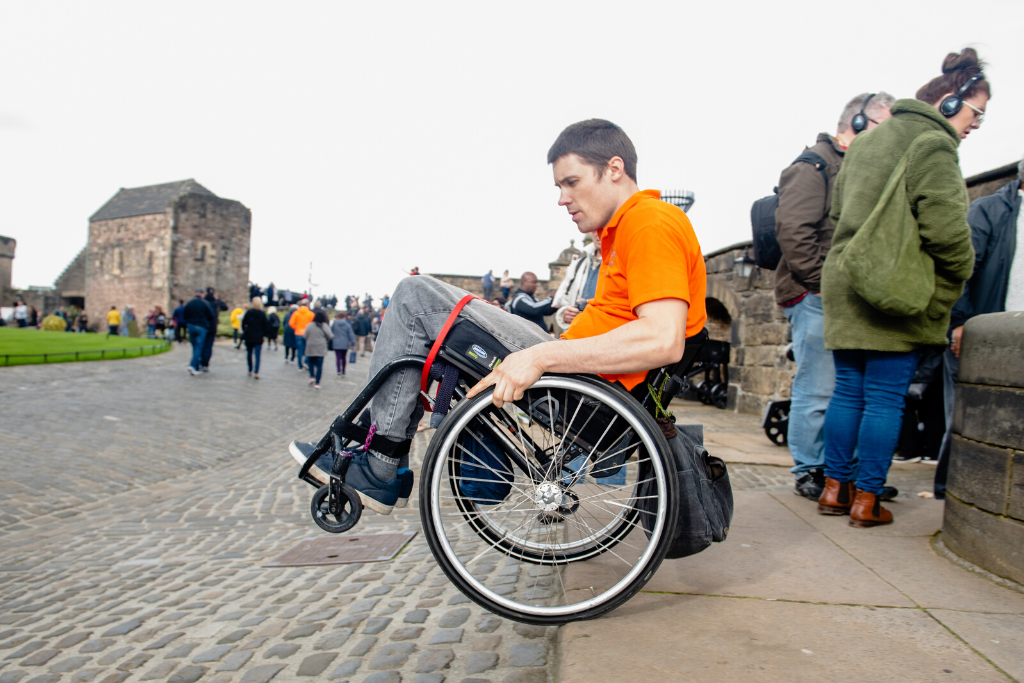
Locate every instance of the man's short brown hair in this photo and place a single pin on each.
(595, 141)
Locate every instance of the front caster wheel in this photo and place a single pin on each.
(350, 508)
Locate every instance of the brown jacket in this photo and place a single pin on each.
(802, 225)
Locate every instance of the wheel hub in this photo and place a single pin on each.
(548, 496)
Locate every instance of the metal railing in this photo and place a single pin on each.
(157, 348)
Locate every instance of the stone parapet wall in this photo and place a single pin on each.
(743, 312)
(984, 514)
(7, 248)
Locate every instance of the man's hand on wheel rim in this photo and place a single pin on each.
(517, 373)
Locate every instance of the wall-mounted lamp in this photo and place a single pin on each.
(744, 265)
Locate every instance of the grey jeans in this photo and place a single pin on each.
(417, 312)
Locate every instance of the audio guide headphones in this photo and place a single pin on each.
(860, 120)
(952, 105)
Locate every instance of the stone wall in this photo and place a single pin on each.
(984, 513)
(209, 247)
(70, 285)
(473, 284)
(987, 183)
(7, 247)
(743, 312)
(128, 262)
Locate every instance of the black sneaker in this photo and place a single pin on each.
(810, 484)
(407, 478)
(375, 494)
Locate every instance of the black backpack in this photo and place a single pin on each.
(762, 217)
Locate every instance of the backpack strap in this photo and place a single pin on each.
(816, 160)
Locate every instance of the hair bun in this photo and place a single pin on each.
(967, 60)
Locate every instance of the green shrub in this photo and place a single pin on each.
(54, 323)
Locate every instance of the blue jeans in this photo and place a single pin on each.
(812, 386)
(211, 335)
(197, 335)
(316, 367)
(300, 343)
(866, 413)
(249, 352)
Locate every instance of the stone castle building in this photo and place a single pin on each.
(155, 245)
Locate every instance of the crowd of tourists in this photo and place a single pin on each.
(876, 326)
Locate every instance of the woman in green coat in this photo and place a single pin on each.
(900, 255)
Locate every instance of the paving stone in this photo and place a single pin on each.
(304, 631)
(417, 616)
(214, 654)
(476, 680)
(346, 669)
(407, 633)
(134, 662)
(333, 640)
(39, 657)
(27, 649)
(254, 644)
(182, 650)
(121, 629)
(45, 678)
(70, 664)
(375, 625)
(478, 662)
(434, 660)
(485, 643)
(429, 678)
(292, 611)
(372, 576)
(188, 674)
(321, 615)
(160, 671)
(487, 624)
(281, 650)
(262, 674)
(384, 677)
(352, 588)
(530, 631)
(363, 605)
(363, 646)
(392, 656)
(528, 654)
(235, 660)
(527, 676)
(234, 637)
(314, 665)
(453, 635)
(12, 676)
(159, 644)
(428, 603)
(456, 617)
(72, 640)
(253, 621)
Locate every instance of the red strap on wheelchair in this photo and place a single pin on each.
(425, 379)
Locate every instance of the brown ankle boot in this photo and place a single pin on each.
(837, 498)
(868, 511)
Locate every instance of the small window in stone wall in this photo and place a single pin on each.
(204, 250)
(202, 253)
(118, 265)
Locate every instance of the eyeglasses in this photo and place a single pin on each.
(979, 113)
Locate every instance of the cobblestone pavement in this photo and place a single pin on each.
(139, 505)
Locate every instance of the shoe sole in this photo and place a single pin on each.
(828, 510)
(325, 478)
(867, 524)
(402, 502)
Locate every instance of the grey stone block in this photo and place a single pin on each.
(375, 625)
(453, 635)
(346, 669)
(352, 620)
(434, 660)
(487, 624)
(70, 664)
(992, 352)
(134, 662)
(991, 542)
(304, 631)
(429, 678)
(417, 616)
(363, 646)
(392, 656)
(188, 674)
(384, 677)
(320, 615)
(979, 474)
(527, 676)
(478, 662)
(1015, 508)
(281, 650)
(235, 660)
(40, 644)
(214, 654)
(182, 650)
(457, 599)
(39, 657)
(407, 633)
(990, 415)
(12, 676)
(233, 637)
(454, 618)
(528, 654)
(333, 640)
(122, 629)
(165, 640)
(262, 674)
(485, 643)
(530, 631)
(159, 672)
(74, 639)
(314, 665)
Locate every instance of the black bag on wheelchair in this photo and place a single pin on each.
(705, 495)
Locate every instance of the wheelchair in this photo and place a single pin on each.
(558, 507)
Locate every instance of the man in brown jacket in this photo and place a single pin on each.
(804, 231)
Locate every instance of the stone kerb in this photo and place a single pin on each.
(984, 514)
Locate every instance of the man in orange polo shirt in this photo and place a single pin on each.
(649, 299)
(298, 322)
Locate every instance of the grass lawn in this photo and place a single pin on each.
(15, 340)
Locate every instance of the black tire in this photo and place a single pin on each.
(352, 509)
(440, 498)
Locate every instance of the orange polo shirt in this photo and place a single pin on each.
(300, 319)
(649, 251)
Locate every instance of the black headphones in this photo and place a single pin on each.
(860, 120)
(952, 105)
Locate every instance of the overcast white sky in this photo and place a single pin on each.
(372, 137)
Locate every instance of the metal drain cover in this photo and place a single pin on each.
(342, 549)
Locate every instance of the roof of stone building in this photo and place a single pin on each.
(140, 201)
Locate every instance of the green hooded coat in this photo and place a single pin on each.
(938, 200)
